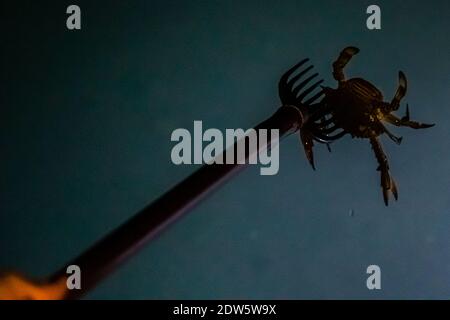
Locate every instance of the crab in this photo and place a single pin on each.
(355, 107)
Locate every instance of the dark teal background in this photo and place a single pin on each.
(86, 118)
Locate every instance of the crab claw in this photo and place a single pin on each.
(406, 117)
(394, 189)
(401, 90)
(341, 62)
(414, 124)
(387, 185)
(426, 125)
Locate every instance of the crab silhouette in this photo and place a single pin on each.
(355, 107)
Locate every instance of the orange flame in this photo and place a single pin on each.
(16, 287)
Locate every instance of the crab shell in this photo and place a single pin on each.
(356, 107)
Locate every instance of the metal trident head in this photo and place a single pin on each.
(295, 89)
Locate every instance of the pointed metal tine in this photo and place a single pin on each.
(283, 93)
(330, 130)
(320, 122)
(314, 97)
(324, 123)
(328, 147)
(284, 78)
(406, 117)
(326, 138)
(303, 83)
(385, 197)
(283, 89)
(320, 138)
(319, 112)
(311, 162)
(294, 79)
(308, 144)
(338, 135)
(309, 90)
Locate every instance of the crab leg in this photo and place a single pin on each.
(387, 182)
(393, 137)
(341, 62)
(405, 122)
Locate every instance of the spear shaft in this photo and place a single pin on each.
(107, 254)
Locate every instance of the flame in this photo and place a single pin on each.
(16, 287)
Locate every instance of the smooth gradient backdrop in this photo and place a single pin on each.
(85, 124)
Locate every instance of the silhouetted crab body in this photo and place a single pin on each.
(355, 107)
